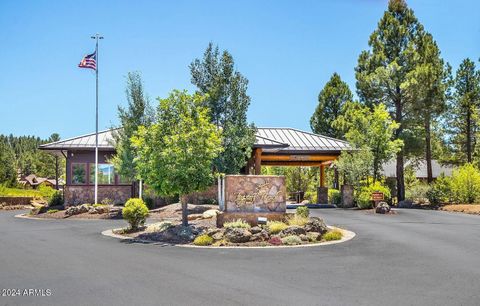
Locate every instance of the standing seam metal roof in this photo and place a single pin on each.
(282, 139)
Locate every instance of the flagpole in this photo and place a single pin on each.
(96, 37)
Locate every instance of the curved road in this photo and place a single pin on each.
(412, 258)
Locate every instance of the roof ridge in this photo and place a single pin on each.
(301, 131)
(272, 140)
(328, 137)
(76, 137)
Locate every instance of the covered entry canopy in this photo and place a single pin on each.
(292, 147)
(272, 147)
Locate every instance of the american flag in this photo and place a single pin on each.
(89, 61)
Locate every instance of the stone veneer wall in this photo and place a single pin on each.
(255, 193)
(76, 195)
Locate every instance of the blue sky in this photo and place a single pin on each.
(287, 50)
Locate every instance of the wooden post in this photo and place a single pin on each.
(322, 176)
(258, 161)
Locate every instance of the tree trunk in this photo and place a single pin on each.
(335, 180)
(184, 202)
(428, 149)
(469, 136)
(400, 154)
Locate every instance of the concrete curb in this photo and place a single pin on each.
(26, 216)
(347, 235)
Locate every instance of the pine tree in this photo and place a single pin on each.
(429, 83)
(228, 102)
(464, 111)
(382, 74)
(137, 113)
(331, 100)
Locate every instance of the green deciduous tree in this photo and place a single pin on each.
(370, 130)
(228, 102)
(464, 111)
(176, 152)
(137, 113)
(382, 73)
(331, 100)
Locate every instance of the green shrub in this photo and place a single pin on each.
(310, 196)
(297, 220)
(334, 196)
(52, 211)
(98, 205)
(149, 202)
(135, 212)
(417, 193)
(465, 184)
(440, 191)
(364, 197)
(275, 227)
(302, 211)
(291, 240)
(46, 191)
(333, 235)
(237, 224)
(107, 201)
(56, 199)
(203, 240)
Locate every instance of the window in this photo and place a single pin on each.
(106, 174)
(79, 173)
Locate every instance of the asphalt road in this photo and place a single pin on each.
(412, 258)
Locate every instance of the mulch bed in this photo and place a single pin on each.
(61, 215)
(174, 211)
(171, 212)
(472, 209)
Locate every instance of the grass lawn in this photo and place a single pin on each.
(18, 192)
(464, 208)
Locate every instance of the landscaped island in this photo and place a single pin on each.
(294, 229)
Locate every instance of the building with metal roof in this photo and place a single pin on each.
(272, 147)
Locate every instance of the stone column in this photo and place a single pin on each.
(347, 196)
(322, 195)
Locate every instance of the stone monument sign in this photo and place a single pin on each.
(255, 194)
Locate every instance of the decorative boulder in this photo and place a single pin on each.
(293, 230)
(84, 208)
(405, 204)
(194, 217)
(317, 225)
(382, 208)
(237, 235)
(255, 230)
(314, 236)
(210, 213)
(260, 236)
(218, 236)
(304, 237)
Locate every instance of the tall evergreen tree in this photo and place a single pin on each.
(382, 74)
(8, 173)
(429, 83)
(464, 111)
(137, 113)
(331, 100)
(228, 102)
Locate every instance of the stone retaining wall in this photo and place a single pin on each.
(76, 195)
(7, 201)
